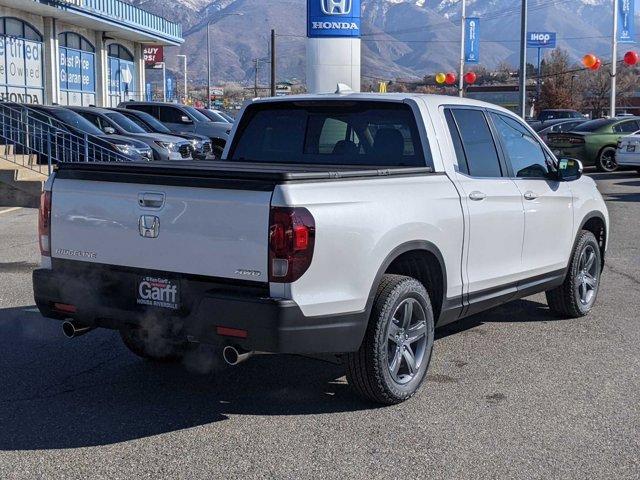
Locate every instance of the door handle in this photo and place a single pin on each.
(530, 195)
(477, 196)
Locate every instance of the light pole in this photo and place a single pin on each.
(185, 77)
(209, 23)
(523, 59)
(614, 59)
(462, 35)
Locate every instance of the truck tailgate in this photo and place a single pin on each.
(216, 232)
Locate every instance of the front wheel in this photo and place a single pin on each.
(392, 361)
(577, 295)
(607, 160)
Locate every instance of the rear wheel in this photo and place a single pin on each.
(607, 160)
(393, 359)
(577, 295)
(153, 345)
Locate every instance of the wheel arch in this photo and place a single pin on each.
(421, 260)
(595, 223)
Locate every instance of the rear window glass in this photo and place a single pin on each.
(593, 125)
(330, 133)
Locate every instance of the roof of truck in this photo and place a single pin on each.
(431, 99)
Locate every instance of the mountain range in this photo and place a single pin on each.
(401, 38)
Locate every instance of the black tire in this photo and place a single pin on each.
(606, 161)
(369, 371)
(566, 300)
(152, 345)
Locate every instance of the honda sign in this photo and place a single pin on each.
(333, 18)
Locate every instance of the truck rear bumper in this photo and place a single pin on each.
(103, 299)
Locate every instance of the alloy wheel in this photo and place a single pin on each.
(587, 277)
(406, 341)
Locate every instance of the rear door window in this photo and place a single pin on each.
(477, 143)
(626, 127)
(330, 133)
(171, 115)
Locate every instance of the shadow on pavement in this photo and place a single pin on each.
(58, 393)
(622, 197)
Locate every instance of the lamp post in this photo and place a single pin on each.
(185, 76)
(209, 23)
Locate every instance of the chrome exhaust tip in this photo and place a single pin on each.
(73, 330)
(234, 356)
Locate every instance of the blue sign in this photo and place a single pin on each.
(148, 92)
(472, 40)
(626, 30)
(333, 18)
(77, 70)
(169, 89)
(541, 39)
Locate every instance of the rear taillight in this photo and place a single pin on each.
(291, 241)
(44, 224)
(576, 140)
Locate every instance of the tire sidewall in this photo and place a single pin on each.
(587, 239)
(408, 289)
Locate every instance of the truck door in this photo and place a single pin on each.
(495, 214)
(548, 203)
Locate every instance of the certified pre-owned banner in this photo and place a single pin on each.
(626, 30)
(472, 40)
(333, 18)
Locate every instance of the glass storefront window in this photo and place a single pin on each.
(21, 78)
(122, 75)
(77, 70)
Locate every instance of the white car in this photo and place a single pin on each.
(350, 224)
(628, 151)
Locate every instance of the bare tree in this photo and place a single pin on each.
(559, 86)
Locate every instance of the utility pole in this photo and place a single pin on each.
(462, 39)
(614, 58)
(186, 94)
(255, 77)
(523, 59)
(273, 63)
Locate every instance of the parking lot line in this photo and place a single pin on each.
(12, 209)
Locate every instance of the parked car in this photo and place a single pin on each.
(557, 126)
(555, 113)
(164, 147)
(594, 142)
(349, 224)
(183, 118)
(628, 151)
(200, 144)
(216, 115)
(78, 126)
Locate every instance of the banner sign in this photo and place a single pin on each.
(541, 39)
(626, 29)
(148, 92)
(153, 54)
(21, 78)
(333, 18)
(472, 40)
(77, 70)
(169, 90)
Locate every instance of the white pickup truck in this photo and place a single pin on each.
(350, 224)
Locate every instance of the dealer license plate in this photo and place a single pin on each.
(631, 148)
(158, 292)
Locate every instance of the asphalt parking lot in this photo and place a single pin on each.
(511, 393)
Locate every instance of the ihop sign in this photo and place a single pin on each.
(541, 39)
(333, 18)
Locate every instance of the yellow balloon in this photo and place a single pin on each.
(440, 78)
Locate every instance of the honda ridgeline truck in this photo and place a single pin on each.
(349, 224)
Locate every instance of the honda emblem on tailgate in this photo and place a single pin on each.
(149, 226)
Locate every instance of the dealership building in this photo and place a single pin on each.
(77, 52)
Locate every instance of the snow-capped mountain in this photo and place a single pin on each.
(401, 38)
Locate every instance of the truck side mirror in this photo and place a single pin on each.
(109, 130)
(569, 169)
(185, 119)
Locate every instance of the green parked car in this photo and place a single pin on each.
(594, 142)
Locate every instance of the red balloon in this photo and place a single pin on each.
(450, 79)
(596, 65)
(470, 77)
(631, 58)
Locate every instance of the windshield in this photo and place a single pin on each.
(213, 116)
(124, 123)
(196, 114)
(148, 122)
(330, 133)
(229, 118)
(593, 125)
(75, 120)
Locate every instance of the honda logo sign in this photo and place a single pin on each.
(336, 7)
(333, 18)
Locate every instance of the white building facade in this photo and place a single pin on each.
(77, 52)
